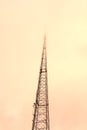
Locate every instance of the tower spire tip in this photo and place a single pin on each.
(44, 46)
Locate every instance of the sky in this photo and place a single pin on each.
(22, 25)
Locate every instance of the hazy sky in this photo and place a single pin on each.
(21, 37)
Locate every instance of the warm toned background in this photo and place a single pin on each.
(21, 38)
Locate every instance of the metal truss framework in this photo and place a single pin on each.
(41, 105)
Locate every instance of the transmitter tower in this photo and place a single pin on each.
(41, 105)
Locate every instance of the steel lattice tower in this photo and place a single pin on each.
(41, 105)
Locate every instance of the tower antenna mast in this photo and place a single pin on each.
(41, 105)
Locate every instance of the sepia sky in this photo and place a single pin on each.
(22, 25)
